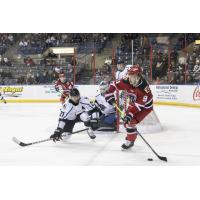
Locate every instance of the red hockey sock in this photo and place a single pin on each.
(131, 137)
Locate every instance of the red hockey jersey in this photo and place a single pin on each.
(140, 96)
(66, 86)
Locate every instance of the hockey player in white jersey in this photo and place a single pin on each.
(122, 70)
(106, 113)
(75, 109)
(2, 98)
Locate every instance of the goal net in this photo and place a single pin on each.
(150, 124)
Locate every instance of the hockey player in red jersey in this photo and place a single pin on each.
(63, 86)
(141, 101)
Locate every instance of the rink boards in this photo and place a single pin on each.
(179, 95)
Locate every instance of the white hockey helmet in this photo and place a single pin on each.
(103, 87)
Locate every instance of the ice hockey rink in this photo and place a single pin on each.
(29, 122)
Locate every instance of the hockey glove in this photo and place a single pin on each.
(127, 118)
(95, 109)
(102, 107)
(111, 100)
(57, 136)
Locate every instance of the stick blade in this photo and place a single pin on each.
(163, 158)
(14, 139)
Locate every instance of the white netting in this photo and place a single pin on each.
(151, 123)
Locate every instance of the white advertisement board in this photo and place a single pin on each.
(186, 95)
(40, 93)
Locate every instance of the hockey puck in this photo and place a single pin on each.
(150, 159)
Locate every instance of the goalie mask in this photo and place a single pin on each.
(134, 75)
(103, 87)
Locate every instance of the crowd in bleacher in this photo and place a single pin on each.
(37, 43)
(6, 40)
(168, 65)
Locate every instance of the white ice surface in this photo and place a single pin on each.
(179, 141)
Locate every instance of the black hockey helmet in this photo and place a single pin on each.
(120, 61)
(74, 92)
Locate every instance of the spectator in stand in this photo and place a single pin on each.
(21, 80)
(157, 81)
(11, 39)
(158, 71)
(58, 69)
(7, 62)
(30, 79)
(189, 79)
(29, 62)
(196, 72)
(196, 67)
(45, 77)
(181, 80)
(73, 61)
(38, 78)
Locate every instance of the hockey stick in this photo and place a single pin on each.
(40, 141)
(2, 99)
(62, 93)
(160, 157)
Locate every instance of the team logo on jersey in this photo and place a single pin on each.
(196, 94)
(132, 97)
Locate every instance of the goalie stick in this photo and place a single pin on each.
(22, 144)
(160, 157)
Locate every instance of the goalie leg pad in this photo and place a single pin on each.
(110, 119)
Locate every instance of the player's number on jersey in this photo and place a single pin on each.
(62, 114)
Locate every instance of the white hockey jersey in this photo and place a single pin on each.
(103, 105)
(120, 74)
(69, 111)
